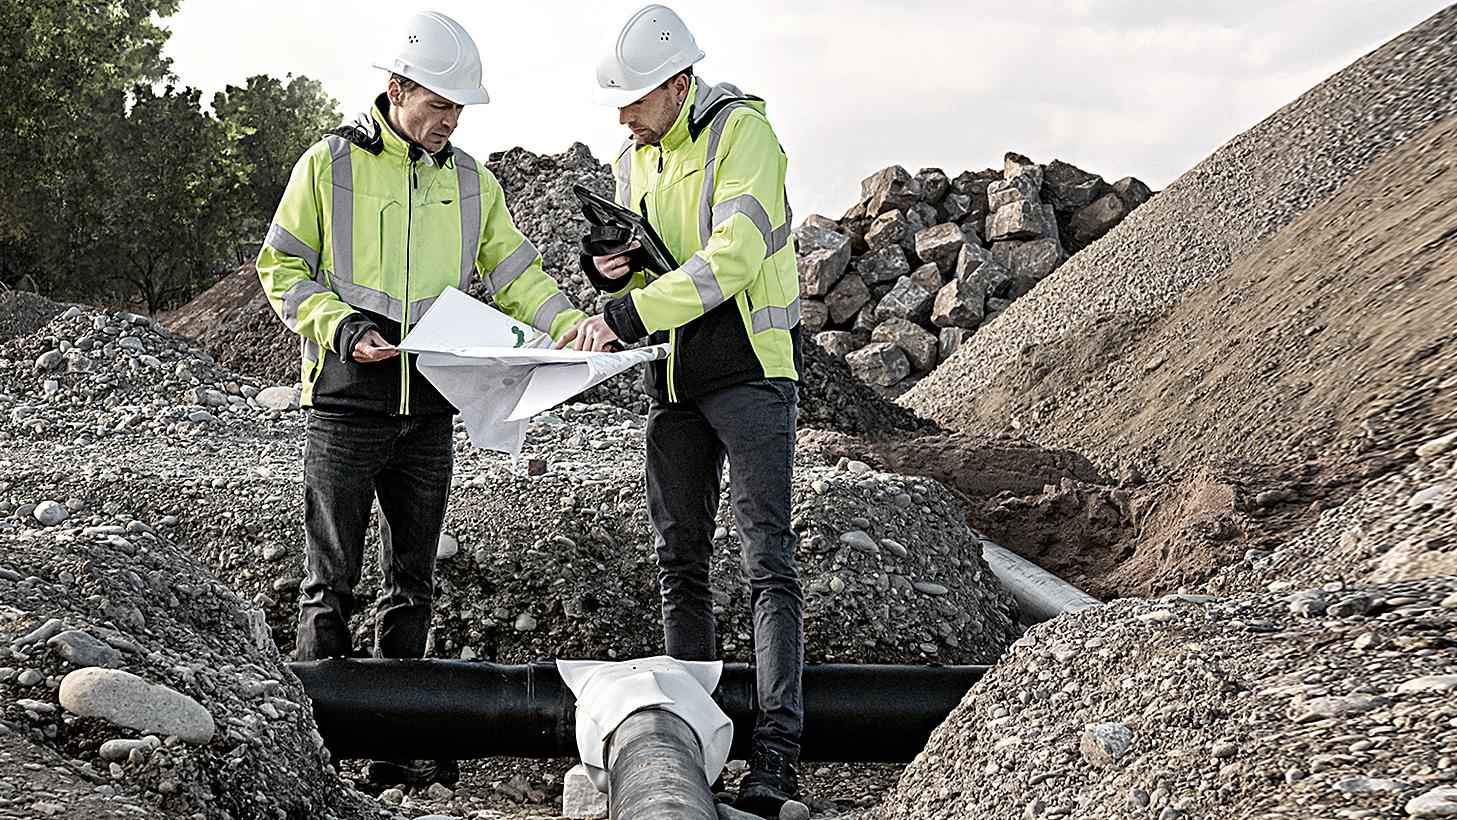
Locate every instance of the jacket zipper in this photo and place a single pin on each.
(671, 367)
(405, 303)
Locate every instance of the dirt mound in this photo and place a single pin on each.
(1214, 214)
(233, 321)
(1329, 702)
(1330, 340)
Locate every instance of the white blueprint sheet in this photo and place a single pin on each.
(500, 372)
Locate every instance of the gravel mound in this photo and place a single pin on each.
(22, 312)
(1246, 191)
(103, 594)
(1325, 702)
(89, 375)
(234, 323)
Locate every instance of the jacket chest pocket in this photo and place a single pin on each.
(379, 241)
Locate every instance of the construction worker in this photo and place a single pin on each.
(379, 218)
(703, 165)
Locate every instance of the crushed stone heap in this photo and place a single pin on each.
(90, 374)
(921, 262)
(134, 684)
(1327, 702)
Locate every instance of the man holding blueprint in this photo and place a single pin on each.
(705, 170)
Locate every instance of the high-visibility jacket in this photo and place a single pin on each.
(371, 229)
(713, 189)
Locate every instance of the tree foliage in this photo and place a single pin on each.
(114, 186)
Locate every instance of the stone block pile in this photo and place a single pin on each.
(920, 262)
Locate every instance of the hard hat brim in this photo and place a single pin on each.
(459, 96)
(620, 97)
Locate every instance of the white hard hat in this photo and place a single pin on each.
(653, 46)
(436, 52)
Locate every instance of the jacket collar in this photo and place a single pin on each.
(704, 101)
(371, 131)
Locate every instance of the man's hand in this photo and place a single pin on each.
(373, 348)
(592, 335)
(617, 265)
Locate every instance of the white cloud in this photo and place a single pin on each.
(1117, 87)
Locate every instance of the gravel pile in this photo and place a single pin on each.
(23, 312)
(1334, 701)
(89, 375)
(134, 684)
(1243, 193)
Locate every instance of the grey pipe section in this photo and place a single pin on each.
(1041, 596)
(655, 770)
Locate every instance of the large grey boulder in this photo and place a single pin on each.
(949, 340)
(847, 297)
(820, 221)
(889, 189)
(959, 303)
(890, 228)
(1028, 262)
(837, 343)
(1016, 165)
(1004, 192)
(919, 346)
(929, 277)
(883, 266)
(1068, 188)
(823, 257)
(1089, 224)
(813, 315)
(940, 245)
(1019, 220)
(953, 208)
(879, 363)
(907, 300)
(1132, 191)
(934, 184)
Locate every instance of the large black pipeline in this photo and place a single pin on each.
(376, 708)
(656, 769)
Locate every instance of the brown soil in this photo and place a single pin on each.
(233, 322)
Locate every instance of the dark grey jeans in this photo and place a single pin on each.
(753, 425)
(350, 460)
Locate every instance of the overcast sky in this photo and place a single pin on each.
(1118, 87)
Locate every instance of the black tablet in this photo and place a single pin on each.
(602, 211)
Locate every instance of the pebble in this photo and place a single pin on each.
(1439, 802)
(793, 810)
(50, 513)
(447, 547)
(124, 699)
(1428, 683)
(1103, 744)
(929, 588)
(860, 540)
(81, 649)
(29, 677)
(278, 398)
(40, 634)
(525, 622)
(119, 749)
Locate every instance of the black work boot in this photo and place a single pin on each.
(412, 772)
(770, 782)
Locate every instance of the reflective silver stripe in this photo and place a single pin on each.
(294, 298)
(775, 318)
(750, 206)
(512, 266)
(624, 174)
(549, 310)
(281, 240)
(369, 299)
(419, 306)
(341, 229)
(310, 351)
(710, 163)
(709, 292)
(468, 175)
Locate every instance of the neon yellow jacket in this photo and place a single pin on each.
(713, 189)
(371, 229)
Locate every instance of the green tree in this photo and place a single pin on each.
(276, 120)
(58, 60)
(175, 192)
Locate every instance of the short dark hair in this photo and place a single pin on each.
(687, 73)
(406, 84)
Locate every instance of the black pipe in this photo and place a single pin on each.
(655, 770)
(379, 708)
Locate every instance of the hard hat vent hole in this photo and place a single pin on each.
(414, 38)
(665, 36)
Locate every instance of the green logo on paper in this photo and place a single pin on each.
(520, 337)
